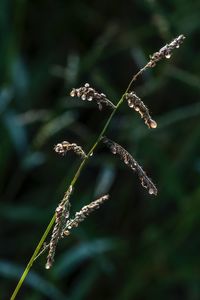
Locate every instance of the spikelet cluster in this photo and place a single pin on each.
(62, 214)
(63, 147)
(135, 102)
(82, 214)
(63, 224)
(131, 163)
(166, 51)
(88, 93)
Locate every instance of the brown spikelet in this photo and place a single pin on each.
(88, 93)
(131, 163)
(62, 213)
(82, 214)
(135, 102)
(166, 51)
(63, 147)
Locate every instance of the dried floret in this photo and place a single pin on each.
(135, 102)
(88, 93)
(131, 163)
(166, 51)
(63, 147)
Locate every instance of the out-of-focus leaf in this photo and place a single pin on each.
(72, 258)
(33, 160)
(54, 126)
(6, 95)
(20, 76)
(17, 132)
(105, 179)
(84, 283)
(70, 72)
(32, 116)
(98, 49)
(72, 68)
(34, 280)
(184, 76)
(21, 213)
(178, 115)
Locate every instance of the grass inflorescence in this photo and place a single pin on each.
(61, 221)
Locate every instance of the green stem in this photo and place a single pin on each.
(75, 178)
(29, 265)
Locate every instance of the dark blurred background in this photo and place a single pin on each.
(136, 246)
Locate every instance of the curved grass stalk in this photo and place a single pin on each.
(75, 178)
(164, 52)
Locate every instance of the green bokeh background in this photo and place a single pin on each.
(136, 246)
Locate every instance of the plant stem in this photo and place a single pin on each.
(75, 178)
(29, 265)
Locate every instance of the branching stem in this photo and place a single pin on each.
(164, 52)
(37, 252)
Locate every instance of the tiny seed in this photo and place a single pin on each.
(66, 232)
(114, 151)
(153, 124)
(130, 104)
(168, 56)
(83, 97)
(151, 191)
(72, 94)
(47, 266)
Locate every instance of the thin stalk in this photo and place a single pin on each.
(75, 178)
(29, 265)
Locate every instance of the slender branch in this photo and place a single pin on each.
(164, 52)
(75, 178)
(135, 77)
(29, 265)
(37, 252)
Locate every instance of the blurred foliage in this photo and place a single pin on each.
(136, 246)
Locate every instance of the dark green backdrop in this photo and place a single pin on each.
(136, 246)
